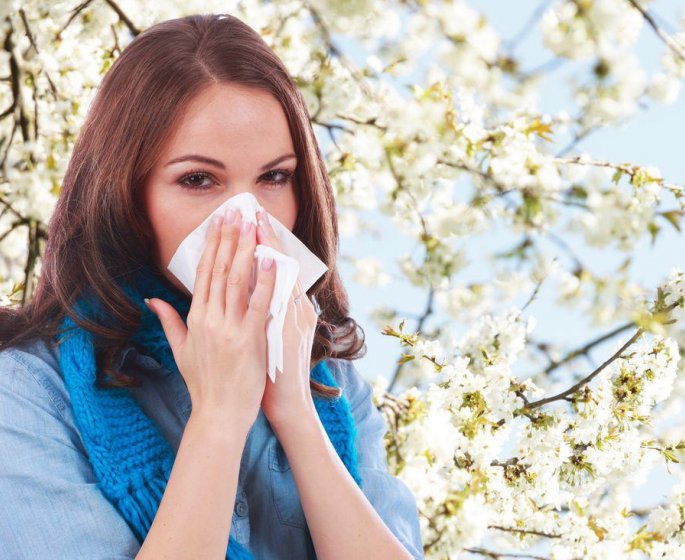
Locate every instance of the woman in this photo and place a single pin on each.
(136, 419)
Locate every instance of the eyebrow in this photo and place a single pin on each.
(217, 163)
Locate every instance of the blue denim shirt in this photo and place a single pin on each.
(52, 507)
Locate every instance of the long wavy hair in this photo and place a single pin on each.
(99, 231)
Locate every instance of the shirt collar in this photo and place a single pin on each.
(130, 354)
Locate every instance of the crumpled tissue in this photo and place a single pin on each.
(298, 263)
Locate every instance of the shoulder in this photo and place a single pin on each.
(350, 380)
(31, 354)
(35, 405)
(52, 504)
(30, 372)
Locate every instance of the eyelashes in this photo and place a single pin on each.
(275, 183)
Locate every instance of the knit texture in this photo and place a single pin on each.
(130, 457)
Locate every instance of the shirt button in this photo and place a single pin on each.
(241, 509)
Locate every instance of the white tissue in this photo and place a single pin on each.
(299, 263)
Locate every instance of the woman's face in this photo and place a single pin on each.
(232, 139)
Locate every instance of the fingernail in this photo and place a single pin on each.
(264, 224)
(246, 227)
(267, 263)
(231, 215)
(217, 220)
(262, 228)
(147, 302)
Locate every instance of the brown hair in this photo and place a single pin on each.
(169, 63)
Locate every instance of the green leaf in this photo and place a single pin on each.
(673, 216)
(617, 176)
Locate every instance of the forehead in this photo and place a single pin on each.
(232, 116)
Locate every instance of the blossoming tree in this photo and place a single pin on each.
(499, 462)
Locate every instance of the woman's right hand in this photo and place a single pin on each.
(222, 354)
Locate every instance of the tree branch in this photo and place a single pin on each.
(665, 37)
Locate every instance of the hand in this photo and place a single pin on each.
(222, 354)
(290, 396)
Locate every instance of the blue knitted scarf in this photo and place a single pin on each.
(130, 457)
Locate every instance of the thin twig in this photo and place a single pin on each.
(570, 391)
(665, 37)
(585, 349)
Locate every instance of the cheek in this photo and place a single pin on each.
(168, 236)
(285, 211)
(171, 221)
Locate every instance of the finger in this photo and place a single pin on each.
(265, 232)
(291, 312)
(300, 291)
(291, 298)
(260, 301)
(302, 312)
(300, 295)
(293, 308)
(206, 262)
(172, 324)
(229, 235)
(306, 310)
(239, 276)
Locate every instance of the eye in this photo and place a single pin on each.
(285, 177)
(194, 175)
(193, 180)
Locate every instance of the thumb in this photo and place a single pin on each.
(174, 327)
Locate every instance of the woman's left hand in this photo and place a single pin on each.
(290, 396)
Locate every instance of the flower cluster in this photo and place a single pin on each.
(433, 133)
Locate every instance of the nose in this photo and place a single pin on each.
(241, 191)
